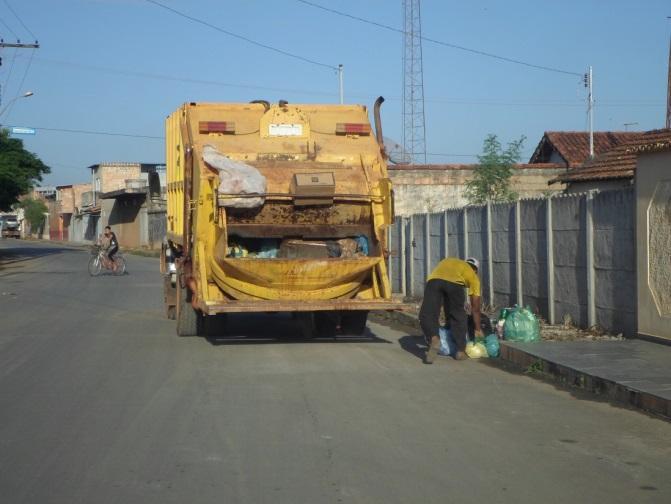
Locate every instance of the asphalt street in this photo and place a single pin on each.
(101, 402)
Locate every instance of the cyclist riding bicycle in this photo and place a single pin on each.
(109, 243)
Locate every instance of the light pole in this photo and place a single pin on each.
(27, 94)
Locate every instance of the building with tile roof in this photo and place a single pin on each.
(614, 168)
(571, 148)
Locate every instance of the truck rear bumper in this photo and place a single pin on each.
(302, 306)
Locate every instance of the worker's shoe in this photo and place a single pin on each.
(432, 351)
(460, 356)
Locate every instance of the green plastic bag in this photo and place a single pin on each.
(521, 325)
(492, 345)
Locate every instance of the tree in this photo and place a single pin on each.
(34, 211)
(19, 170)
(491, 179)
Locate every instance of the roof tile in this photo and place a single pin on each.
(619, 162)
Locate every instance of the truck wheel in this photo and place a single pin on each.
(353, 323)
(169, 298)
(189, 321)
(326, 324)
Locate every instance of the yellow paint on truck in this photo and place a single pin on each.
(332, 145)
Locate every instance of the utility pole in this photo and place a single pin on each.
(668, 88)
(17, 45)
(587, 79)
(340, 82)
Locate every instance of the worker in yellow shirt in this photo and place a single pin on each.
(446, 287)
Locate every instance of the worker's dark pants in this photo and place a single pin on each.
(451, 297)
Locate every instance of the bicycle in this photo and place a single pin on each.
(99, 260)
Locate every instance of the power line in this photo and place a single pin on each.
(8, 28)
(145, 75)
(20, 20)
(23, 79)
(241, 37)
(11, 67)
(440, 42)
(93, 132)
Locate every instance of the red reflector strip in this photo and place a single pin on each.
(352, 129)
(216, 127)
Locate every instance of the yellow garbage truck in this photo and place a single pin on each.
(276, 208)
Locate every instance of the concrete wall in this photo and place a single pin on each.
(653, 231)
(418, 190)
(522, 271)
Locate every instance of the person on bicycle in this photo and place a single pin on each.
(110, 243)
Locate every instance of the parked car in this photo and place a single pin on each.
(9, 226)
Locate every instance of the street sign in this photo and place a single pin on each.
(18, 130)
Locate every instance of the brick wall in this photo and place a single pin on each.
(432, 189)
(113, 176)
(66, 198)
(77, 191)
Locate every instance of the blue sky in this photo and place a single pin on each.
(100, 63)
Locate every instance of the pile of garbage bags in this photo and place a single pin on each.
(514, 324)
(268, 248)
(487, 346)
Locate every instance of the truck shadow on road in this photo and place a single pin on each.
(247, 329)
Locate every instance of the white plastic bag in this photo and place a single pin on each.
(448, 346)
(236, 178)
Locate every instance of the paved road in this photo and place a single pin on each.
(100, 402)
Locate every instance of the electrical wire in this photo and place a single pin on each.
(20, 20)
(241, 37)
(11, 68)
(440, 42)
(23, 79)
(8, 28)
(311, 92)
(164, 77)
(93, 132)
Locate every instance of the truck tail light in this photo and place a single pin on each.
(226, 127)
(353, 129)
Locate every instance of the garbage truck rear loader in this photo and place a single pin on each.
(276, 208)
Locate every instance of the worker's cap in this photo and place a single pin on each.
(473, 262)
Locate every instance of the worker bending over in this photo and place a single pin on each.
(445, 287)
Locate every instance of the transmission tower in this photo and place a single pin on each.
(414, 126)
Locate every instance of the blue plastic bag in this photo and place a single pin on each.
(448, 346)
(362, 244)
(492, 345)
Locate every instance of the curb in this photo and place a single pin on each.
(608, 389)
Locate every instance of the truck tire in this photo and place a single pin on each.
(189, 320)
(353, 323)
(169, 298)
(326, 324)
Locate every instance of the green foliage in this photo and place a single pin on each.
(34, 211)
(491, 179)
(19, 170)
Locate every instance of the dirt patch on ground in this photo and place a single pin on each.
(557, 332)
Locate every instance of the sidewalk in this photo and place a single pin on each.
(633, 372)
